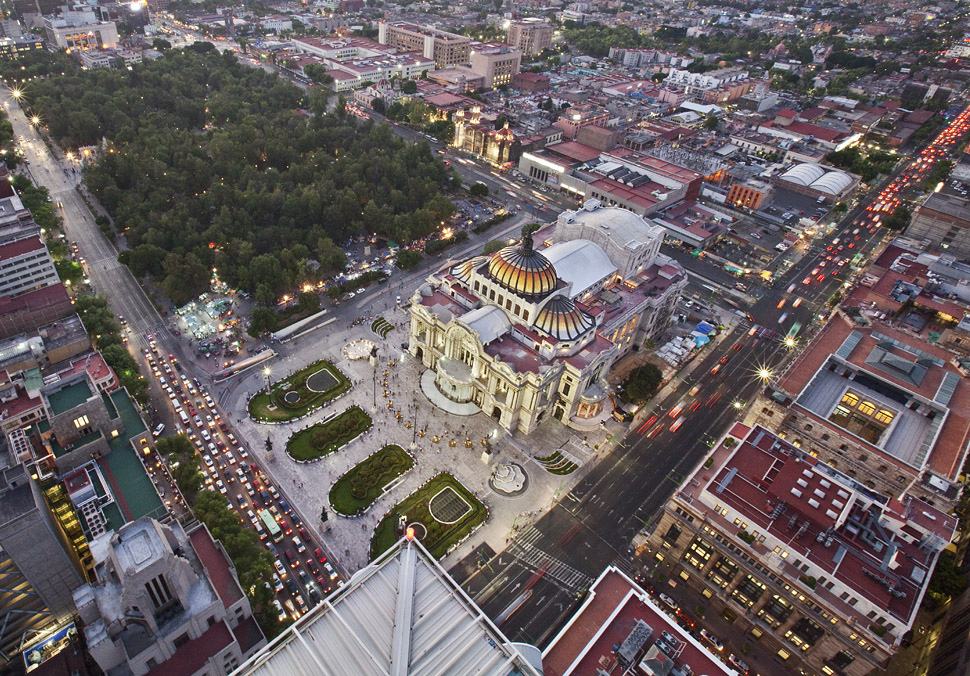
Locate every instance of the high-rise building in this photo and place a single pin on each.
(497, 63)
(80, 29)
(817, 568)
(402, 614)
(530, 36)
(447, 49)
(165, 601)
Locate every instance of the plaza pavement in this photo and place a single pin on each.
(306, 486)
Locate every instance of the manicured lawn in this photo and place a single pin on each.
(325, 438)
(440, 537)
(356, 490)
(273, 407)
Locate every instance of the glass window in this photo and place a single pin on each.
(850, 399)
(867, 408)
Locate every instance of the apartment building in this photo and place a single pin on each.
(813, 566)
(446, 49)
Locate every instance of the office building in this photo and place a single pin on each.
(530, 36)
(25, 265)
(446, 49)
(15, 47)
(496, 63)
(402, 614)
(80, 28)
(532, 332)
(165, 601)
(879, 404)
(942, 223)
(813, 566)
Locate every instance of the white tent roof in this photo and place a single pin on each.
(580, 262)
(400, 616)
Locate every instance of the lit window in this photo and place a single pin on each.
(885, 416)
(850, 399)
(80, 422)
(867, 408)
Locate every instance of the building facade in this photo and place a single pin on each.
(72, 30)
(446, 49)
(529, 333)
(817, 569)
(497, 146)
(530, 36)
(165, 602)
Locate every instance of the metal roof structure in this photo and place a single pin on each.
(402, 615)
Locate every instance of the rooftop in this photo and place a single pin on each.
(614, 607)
(810, 519)
(66, 398)
(403, 614)
(904, 376)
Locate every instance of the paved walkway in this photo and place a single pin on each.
(307, 485)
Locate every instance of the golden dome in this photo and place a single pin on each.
(561, 319)
(523, 270)
(464, 269)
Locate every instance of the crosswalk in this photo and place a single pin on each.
(532, 557)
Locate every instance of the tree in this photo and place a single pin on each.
(408, 258)
(530, 228)
(710, 122)
(478, 189)
(898, 220)
(378, 105)
(493, 246)
(409, 87)
(642, 383)
(263, 320)
(309, 302)
(948, 579)
(160, 44)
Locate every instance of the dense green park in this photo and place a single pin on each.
(205, 162)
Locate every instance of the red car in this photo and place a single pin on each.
(319, 554)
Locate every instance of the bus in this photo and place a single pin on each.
(796, 327)
(272, 527)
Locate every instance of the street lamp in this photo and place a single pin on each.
(790, 342)
(266, 373)
(738, 404)
(17, 93)
(764, 374)
(35, 119)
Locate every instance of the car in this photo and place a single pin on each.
(313, 566)
(315, 597)
(158, 429)
(738, 663)
(280, 568)
(319, 555)
(291, 558)
(330, 571)
(232, 439)
(277, 583)
(304, 533)
(240, 499)
(712, 639)
(300, 602)
(208, 461)
(693, 390)
(298, 543)
(717, 367)
(669, 602)
(291, 585)
(724, 360)
(280, 611)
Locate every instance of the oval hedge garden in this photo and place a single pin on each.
(324, 438)
(363, 483)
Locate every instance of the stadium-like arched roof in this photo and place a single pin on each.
(804, 174)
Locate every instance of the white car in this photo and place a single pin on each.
(222, 487)
(712, 639)
(208, 460)
(280, 612)
(669, 602)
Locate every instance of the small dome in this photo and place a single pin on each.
(523, 270)
(561, 319)
(463, 270)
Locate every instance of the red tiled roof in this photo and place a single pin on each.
(20, 247)
(217, 566)
(34, 300)
(193, 655)
(577, 152)
(821, 133)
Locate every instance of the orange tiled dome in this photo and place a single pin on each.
(561, 319)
